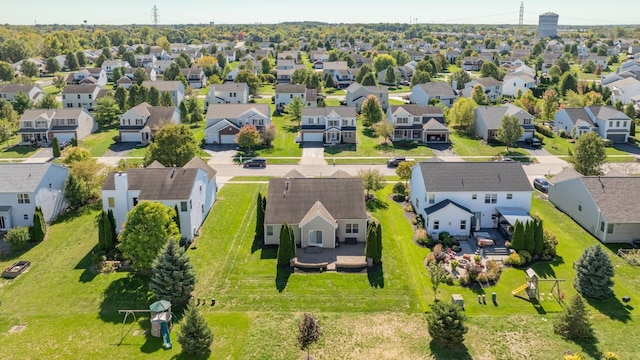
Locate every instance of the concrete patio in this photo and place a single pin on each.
(350, 256)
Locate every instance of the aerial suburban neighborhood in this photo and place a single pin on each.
(320, 190)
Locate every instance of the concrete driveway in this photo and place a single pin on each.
(312, 153)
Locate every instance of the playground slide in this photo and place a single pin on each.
(164, 331)
(522, 287)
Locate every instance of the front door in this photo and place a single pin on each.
(3, 223)
(315, 238)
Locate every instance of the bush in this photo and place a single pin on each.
(607, 142)
(18, 237)
(449, 280)
(456, 248)
(483, 278)
(406, 144)
(544, 130)
(422, 237)
(550, 243)
(526, 255)
(563, 134)
(443, 235)
(409, 208)
(399, 188)
(473, 271)
(464, 280)
(611, 356)
(515, 259)
(419, 221)
(493, 271)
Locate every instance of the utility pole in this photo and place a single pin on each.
(155, 15)
(521, 13)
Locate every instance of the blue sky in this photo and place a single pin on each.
(586, 12)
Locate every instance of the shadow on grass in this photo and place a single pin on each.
(127, 293)
(257, 244)
(89, 272)
(460, 352)
(76, 213)
(369, 133)
(269, 252)
(375, 274)
(282, 277)
(336, 149)
(20, 150)
(384, 147)
(376, 204)
(183, 356)
(153, 344)
(290, 128)
(545, 269)
(612, 308)
(14, 254)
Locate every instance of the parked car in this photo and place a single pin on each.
(541, 184)
(533, 142)
(395, 162)
(64, 145)
(255, 162)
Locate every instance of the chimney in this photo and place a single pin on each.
(121, 182)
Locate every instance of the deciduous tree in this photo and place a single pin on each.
(6, 71)
(268, 134)
(588, 154)
(174, 145)
(371, 111)
(309, 332)
(294, 110)
(404, 170)
(29, 68)
(52, 65)
(48, 101)
(107, 111)
(383, 61)
(148, 227)
(71, 61)
(550, 101)
(437, 275)
(248, 137)
(461, 114)
(383, 129)
(509, 131)
(460, 77)
(372, 179)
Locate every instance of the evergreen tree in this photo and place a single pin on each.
(446, 325)
(377, 255)
(76, 191)
(286, 251)
(166, 99)
(101, 219)
(132, 100)
(55, 145)
(195, 336)
(594, 273)
(529, 243)
(517, 237)
(259, 218)
(372, 242)
(112, 226)
(120, 96)
(176, 218)
(538, 237)
(574, 323)
(172, 275)
(154, 96)
(39, 226)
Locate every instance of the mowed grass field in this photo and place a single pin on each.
(71, 312)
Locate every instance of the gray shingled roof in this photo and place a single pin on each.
(12, 88)
(474, 176)
(79, 89)
(417, 110)
(159, 116)
(232, 111)
(342, 197)
(493, 115)
(198, 163)
(442, 204)
(606, 112)
(291, 88)
(24, 178)
(163, 85)
(617, 197)
(158, 183)
(229, 86)
(342, 111)
(576, 114)
(437, 88)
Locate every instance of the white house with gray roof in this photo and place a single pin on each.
(8, 91)
(517, 81)
(40, 126)
(192, 188)
(82, 96)
(357, 94)
(605, 206)
(25, 186)
(424, 124)
(607, 121)
(489, 118)
(174, 87)
(421, 94)
(227, 93)
(140, 123)
(458, 196)
(225, 120)
(491, 87)
(286, 92)
(330, 125)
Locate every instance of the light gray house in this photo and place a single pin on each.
(607, 121)
(421, 94)
(9, 91)
(175, 88)
(192, 188)
(357, 94)
(225, 120)
(331, 125)
(40, 126)
(489, 118)
(456, 196)
(321, 211)
(227, 93)
(605, 206)
(140, 123)
(25, 186)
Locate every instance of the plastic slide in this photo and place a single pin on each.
(522, 287)
(164, 331)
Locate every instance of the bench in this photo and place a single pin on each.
(350, 240)
(319, 265)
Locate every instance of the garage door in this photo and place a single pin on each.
(64, 136)
(616, 138)
(129, 137)
(227, 139)
(312, 137)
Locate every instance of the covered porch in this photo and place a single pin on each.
(507, 217)
(34, 136)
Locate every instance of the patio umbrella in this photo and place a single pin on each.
(477, 224)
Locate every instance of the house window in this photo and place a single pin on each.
(345, 122)
(312, 121)
(509, 196)
(617, 123)
(200, 188)
(190, 204)
(579, 207)
(417, 203)
(202, 208)
(490, 198)
(78, 96)
(463, 224)
(183, 206)
(436, 224)
(602, 226)
(527, 121)
(432, 198)
(26, 216)
(24, 199)
(352, 229)
(474, 196)
(610, 229)
(334, 123)
(402, 120)
(135, 201)
(111, 201)
(269, 230)
(610, 123)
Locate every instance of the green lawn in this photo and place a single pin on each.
(99, 142)
(373, 146)
(560, 146)
(267, 89)
(334, 91)
(18, 152)
(138, 151)
(71, 312)
(332, 102)
(464, 145)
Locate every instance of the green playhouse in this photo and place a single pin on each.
(161, 316)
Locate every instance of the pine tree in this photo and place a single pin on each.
(529, 229)
(538, 237)
(574, 323)
(100, 220)
(55, 146)
(184, 113)
(594, 273)
(286, 251)
(446, 325)
(172, 275)
(259, 218)
(195, 335)
(108, 241)
(370, 245)
(39, 227)
(112, 225)
(377, 256)
(517, 238)
(176, 217)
